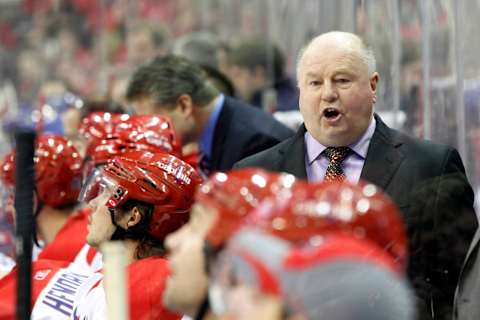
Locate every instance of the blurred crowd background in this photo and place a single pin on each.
(426, 50)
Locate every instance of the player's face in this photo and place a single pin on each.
(187, 285)
(100, 226)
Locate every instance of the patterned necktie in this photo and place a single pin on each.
(336, 155)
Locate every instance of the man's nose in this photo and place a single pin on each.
(329, 92)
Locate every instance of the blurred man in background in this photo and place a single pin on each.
(206, 50)
(257, 69)
(144, 41)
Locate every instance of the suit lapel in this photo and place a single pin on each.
(383, 156)
(293, 155)
(475, 244)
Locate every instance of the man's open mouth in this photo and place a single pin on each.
(331, 113)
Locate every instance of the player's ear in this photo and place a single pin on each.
(134, 217)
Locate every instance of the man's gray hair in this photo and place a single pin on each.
(366, 55)
(166, 78)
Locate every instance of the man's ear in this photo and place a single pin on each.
(374, 84)
(134, 217)
(185, 103)
(374, 81)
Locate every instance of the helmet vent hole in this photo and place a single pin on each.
(150, 183)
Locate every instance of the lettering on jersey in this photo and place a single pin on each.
(61, 295)
(76, 316)
(41, 274)
(177, 172)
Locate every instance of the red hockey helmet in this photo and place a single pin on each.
(313, 210)
(58, 170)
(98, 125)
(235, 194)
(158, 132)
(110, 135)
(160, 179)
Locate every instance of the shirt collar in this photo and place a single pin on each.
(206, 140)
(360, 147)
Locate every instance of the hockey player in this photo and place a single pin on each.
(226, 202)
(231, 196)
(109, 135)
(139, 199)
(58, 173)
(325, 251)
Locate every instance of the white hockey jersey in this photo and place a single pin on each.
(64, 290)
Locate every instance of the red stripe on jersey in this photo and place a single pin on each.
(146, 283)
(95, 285)
(90, 255)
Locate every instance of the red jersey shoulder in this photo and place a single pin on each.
(69, 240)
(146, 283)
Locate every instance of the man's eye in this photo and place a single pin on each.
(342, 80)
(314, 83)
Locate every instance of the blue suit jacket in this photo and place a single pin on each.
(241, 131)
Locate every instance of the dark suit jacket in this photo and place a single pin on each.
(243, 130)
(467, 299)
(428, 183)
